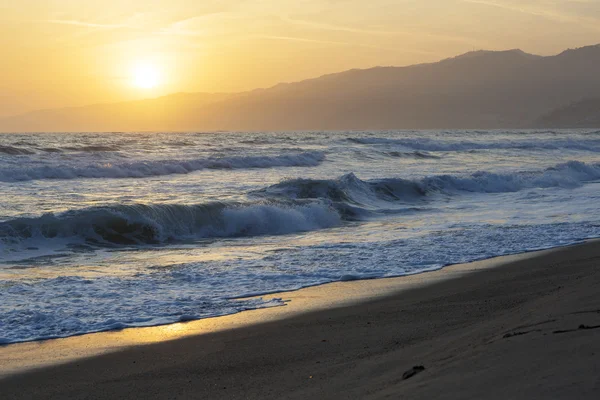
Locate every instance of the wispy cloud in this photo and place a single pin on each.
(301, 39)
(338, 43)
(84, 24)
(180, 32)
(194, 26)
(542, 11)
(332, 27)
(374, 32)
(517, 8)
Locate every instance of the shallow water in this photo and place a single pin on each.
(101, 231)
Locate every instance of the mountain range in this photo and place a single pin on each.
(481, 89)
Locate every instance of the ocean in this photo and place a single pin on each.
(102, 231)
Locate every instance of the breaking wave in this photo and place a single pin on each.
(50, 150)
(15, 151)
(294, 205)
(351, 189)
(566, 175)
(426, 144)
(156, 168)
(19, 151)
(410, 154)
(93, 148)
(163, 223)
(348, 188)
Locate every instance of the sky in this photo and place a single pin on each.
(58, 53)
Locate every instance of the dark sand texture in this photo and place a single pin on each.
(526, 330)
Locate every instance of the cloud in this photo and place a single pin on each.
(337, 43)
(374, 32)
(206, 24)
(543, 11)
(307, 40)
(84, 24)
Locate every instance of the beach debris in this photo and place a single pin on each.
(581, 327)
(588, 327)
(412, 372)
(519, 333)
(511, 334)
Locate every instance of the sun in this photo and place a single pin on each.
(145, 75)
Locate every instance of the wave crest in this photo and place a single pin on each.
(293, 205)
(162, 223)
(15, 151)
(348, 188)
(426, 144)
(159, 168)
(351, 189)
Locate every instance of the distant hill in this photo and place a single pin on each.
(483, 89)
(140, 115)
(581, 114)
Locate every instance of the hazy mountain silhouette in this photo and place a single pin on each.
(482, 89)
(582, 114)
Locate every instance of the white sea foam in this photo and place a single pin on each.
(143, 169)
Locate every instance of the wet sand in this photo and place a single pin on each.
(518, 327)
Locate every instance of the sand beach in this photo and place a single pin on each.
(515, 327)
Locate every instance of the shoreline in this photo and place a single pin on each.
(522, 326)
(26, 362)
(286, 293)
(22, 357)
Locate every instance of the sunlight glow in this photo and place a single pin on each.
(145, 76)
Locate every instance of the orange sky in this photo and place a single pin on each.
(59, 53)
